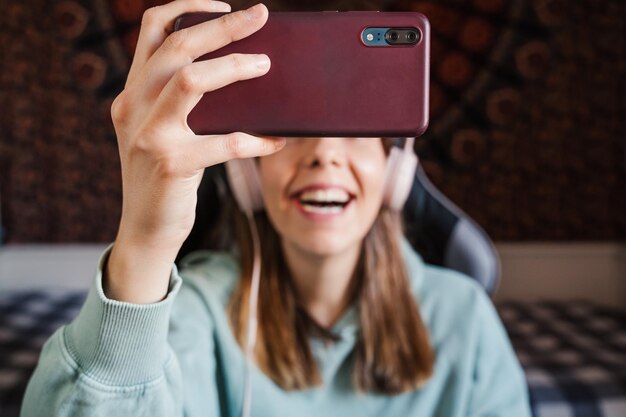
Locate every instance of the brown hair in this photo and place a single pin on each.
(392, 352)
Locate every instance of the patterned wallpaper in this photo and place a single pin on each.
(527, 128)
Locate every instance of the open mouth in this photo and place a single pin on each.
(329, 201)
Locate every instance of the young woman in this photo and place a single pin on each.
(351, 321)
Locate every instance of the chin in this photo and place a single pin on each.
(323, 244)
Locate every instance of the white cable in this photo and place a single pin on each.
(409, 144)
(252, 315)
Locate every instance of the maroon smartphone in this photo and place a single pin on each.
(333, 74)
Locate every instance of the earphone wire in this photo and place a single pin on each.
(252, 314)
(251, 330)
(409, 144)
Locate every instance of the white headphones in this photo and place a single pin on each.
(243, 177)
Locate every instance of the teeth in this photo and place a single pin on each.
(334, 195)
(322, 210)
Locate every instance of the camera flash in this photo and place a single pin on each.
(370, 37)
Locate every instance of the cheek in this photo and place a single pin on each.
(274, 175)
(372, 177)
(269, 175)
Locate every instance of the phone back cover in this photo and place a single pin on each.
(323, 81)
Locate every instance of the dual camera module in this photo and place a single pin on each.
(390, 36)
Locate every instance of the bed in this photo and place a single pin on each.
(573, 353)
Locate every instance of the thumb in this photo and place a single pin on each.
(209, 150)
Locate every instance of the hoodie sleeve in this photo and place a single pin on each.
(112, 359)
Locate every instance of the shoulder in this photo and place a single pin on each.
(449, 288)
(451, 302)
(208, 279)
(440, 289)
(453, 305)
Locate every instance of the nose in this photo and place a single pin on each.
(323, 152)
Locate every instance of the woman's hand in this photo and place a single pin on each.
(162, 160)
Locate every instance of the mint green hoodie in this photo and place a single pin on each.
(178, 357)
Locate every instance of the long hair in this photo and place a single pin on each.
(392, 352)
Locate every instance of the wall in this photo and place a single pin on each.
(531, 271)
(526, 135)
(590, 271)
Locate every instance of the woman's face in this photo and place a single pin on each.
(323, 194)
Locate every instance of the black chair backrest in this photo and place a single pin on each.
(445, 235)
(438, 230)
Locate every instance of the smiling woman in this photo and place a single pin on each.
(351, 320)
(331, 260)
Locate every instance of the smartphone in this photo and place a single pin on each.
(333, 74)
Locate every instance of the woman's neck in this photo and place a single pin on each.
(323, 283)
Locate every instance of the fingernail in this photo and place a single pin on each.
(255, 11)
(262, 61)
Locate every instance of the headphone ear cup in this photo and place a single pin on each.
(399, 177)
(243, 177)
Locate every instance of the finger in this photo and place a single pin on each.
(185, 89)
(183, 47)
(205, 151)
(158, 22)
(195, 41)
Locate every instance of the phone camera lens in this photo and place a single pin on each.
(392, 35)
(411, 36)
